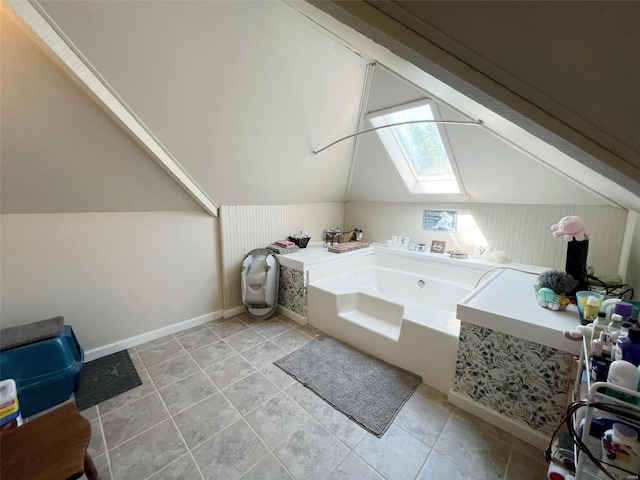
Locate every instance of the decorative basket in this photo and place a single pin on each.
(547, 298)
(345, 237)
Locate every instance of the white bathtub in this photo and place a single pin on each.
(400, 311)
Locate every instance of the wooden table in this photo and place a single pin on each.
(50, 447)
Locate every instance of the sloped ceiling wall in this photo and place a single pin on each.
(581, 55)
(60, 152)
(457, 44)
(491, 169)
(239, 92)
(242, 92)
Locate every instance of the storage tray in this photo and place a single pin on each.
(348, 247)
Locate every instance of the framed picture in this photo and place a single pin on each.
(437, 246)
(403, 242)
(481, 252)
(413, 245)
(440, 220)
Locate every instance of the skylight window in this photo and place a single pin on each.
(419, 151)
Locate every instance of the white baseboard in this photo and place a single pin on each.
(292, 315)
(234, 311)
(515, 428)
(148, 336)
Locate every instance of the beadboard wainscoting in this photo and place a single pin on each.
(523, 232)
(245, 227)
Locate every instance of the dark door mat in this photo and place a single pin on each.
(105, 378)
(369, 391)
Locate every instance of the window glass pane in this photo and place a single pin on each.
(421, 142)
(417, 150)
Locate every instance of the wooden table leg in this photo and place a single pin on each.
(89, 468)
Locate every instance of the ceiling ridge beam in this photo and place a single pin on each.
(51, 38)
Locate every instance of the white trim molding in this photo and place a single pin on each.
(114, 347)
(517, 429)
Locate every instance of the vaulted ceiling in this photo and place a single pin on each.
(241, 93)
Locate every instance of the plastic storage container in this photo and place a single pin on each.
(46, 372)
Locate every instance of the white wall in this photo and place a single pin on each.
(575, 147)
(631, 274)
(60, 152)
(240, 93)
(244, 228)
(523, 232)
(111, 275)
(492, 171)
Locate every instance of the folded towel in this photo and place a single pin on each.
(285, 243)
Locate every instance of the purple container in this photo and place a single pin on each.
(623, 309)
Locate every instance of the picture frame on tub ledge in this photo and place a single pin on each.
(438, 246)
(481, 252)
(403, 242)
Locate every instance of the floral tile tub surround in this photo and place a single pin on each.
(520, 379)
(292, 293)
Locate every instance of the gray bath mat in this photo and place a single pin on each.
(367, 390)
(104, 378)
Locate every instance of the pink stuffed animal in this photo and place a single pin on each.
(571, 227)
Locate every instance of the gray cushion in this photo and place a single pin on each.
(32, 332)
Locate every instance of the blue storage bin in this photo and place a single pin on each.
(46, 372)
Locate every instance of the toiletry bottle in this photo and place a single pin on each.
(591, 308)
(624, 309)
(9, 407)
(599, 325)
(556, 472)
(607, 306)
(599, 364)
(624, 374)
(628, 348)
(611, 333)
(620, 448)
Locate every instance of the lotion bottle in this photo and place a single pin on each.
(623, 374)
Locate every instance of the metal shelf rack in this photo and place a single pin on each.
(584, 389)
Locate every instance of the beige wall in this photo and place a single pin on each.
(246, 227)
(521, 231)
(240, 93)
(111, 275)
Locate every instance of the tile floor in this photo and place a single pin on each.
(213, 406)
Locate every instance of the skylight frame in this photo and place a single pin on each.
(433, 185)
